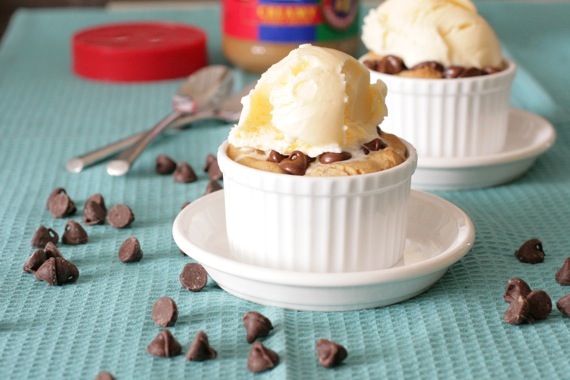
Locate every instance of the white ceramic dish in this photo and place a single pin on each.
(448, 118)
(528, 136)
(322, 220)
(439, 234)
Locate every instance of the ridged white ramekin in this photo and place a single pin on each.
(316, 224)
(448, 118)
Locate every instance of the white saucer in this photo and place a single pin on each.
(439, 234)
(528, 136)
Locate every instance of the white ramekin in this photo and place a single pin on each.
(448, 118)
(316, 224)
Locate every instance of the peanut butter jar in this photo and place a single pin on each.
(258, 33)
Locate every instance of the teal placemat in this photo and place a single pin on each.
(102, 322)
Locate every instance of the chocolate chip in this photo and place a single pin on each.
(164, 345)
(57, 271)
(104, 376)
(540, 304)
(563, 304)
(193, 277)
(371, 64)
(61, 205)
(515, 288)
(563, 274)
(94, 213)
(330, 354)
(431, 64)
(256, 326)
(374, 146)
(209, 159)
(276, 157)
(130, 250)
(390, 64)
(97, 198)
(451, 72)
(212, 168)
(164, 312)
(330, 157)
(164, 164)
(35, 261)
(74, 234)
(40, 256)
(530, 252)
(518, 312)
(261, 358)
(184, 173)
(212, 186)
(120, 216)
(44, 235)
(296, 164)
(52, 251)
(54, 192)
(491, 70)
(200, 349)
(471, 72)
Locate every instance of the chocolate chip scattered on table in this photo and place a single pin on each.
(95, 211)
(164, 312)
(200, 349)
(164, 345)
(120, 216)
(164, 165)
(531, 252)
(193, 277)
(184, 173)
(256, 326)
(261, 358)
(44, 235)
(562, 275)
(330, 354)
(130, 250)
(74, 234)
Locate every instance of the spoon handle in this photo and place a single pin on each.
(77, 164)
(122, 164)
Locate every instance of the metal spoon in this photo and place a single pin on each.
(202, 90)
(228, 111)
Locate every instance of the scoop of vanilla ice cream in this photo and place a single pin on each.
(315, 100)
(448, 31)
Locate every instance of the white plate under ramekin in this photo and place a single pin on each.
(438, 235)
(528, 136)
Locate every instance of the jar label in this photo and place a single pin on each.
(290, 21)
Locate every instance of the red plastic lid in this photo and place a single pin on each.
(136, 52)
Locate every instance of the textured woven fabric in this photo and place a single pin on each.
(102, 322)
